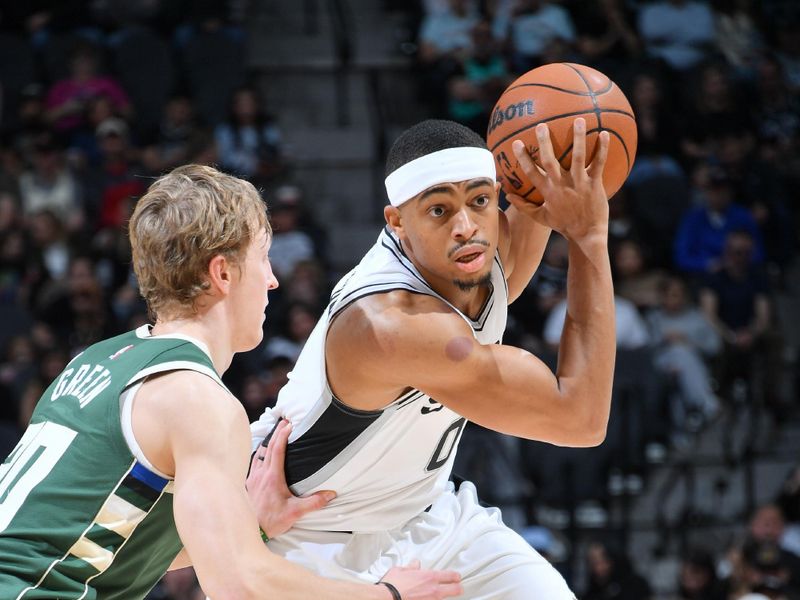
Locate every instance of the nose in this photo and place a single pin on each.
(464, 227)
(272, 282)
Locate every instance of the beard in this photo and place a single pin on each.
(466, 285)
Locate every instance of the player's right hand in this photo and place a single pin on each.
(414, 583)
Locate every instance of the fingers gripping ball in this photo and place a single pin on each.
(556, 94)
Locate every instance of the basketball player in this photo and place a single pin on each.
(410, 348)
(137, 449)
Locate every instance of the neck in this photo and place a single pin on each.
(205, 329)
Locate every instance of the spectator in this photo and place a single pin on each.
(535, 27)
(444, 41)
(68, 99)
(606, 37)
(179, 136)
(51, 243)
(736, 301)
(655, 119)
(698, 577)
(483, 76)
(78, 312)
(307, 284)
(290, 245)
(768, 524)
(299, 323)
(701, 236)
(84, 147)
(116, 182)
(631, 329)
(767, 570)
(612, 576)
(445, 35)
(51, 186)
(547, 288)
(789, 502)
(633, 280)
(684, 340)
(715, 109)
(679, 32)
(738, 37)
(30, 122)
(249, 143)
(778, 112)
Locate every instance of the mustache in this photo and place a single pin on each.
(455, 249)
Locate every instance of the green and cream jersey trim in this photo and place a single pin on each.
(82, 512)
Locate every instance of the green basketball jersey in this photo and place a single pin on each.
(80, 516)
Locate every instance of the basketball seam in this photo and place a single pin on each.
(565, 91)
(599, 122)
(556, 117)
(591, 94)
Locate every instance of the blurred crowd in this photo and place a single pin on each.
(97, 98)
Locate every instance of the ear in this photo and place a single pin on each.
(220, 275)
(393, 218)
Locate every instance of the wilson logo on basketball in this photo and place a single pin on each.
(512, 111)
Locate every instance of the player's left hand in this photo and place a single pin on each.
(276, 507)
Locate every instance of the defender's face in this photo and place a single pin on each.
(250, 294)
(452, 230)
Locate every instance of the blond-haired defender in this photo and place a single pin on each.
(136, 455)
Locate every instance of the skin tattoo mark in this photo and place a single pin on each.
(459, 348)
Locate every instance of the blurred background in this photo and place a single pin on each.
(695, 494)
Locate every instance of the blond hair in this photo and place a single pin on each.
(185, 219)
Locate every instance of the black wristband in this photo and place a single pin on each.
(392, 590)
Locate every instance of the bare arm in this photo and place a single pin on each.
(500, 387)
(528, 240)
(208, 455)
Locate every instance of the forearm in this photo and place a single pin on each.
(588, 343)
(278, 578)
(528, 242)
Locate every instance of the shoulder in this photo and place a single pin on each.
(394, 324)
(391, 312)
(176, 394)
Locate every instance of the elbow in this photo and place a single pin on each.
(594, 436)
(590, 431)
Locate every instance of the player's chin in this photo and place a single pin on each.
(251, 341)
(468, 283)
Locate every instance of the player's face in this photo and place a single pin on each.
(452, 231)
(249, 297)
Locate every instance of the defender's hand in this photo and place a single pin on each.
(275, 506)
(414, 583)
(575, 201)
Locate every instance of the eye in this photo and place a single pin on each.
(482, 201)
(436, 211)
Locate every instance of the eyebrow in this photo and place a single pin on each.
(441, 189)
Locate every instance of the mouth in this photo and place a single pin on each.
(471, 259)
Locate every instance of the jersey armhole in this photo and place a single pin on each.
(126, 421)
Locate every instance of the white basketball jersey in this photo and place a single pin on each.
(388, 465)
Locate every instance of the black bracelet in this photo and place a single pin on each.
(392, 590)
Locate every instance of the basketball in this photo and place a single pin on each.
(557, 94)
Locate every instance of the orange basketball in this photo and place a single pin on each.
(557, 94)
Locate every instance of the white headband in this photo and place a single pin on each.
(445, 166)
